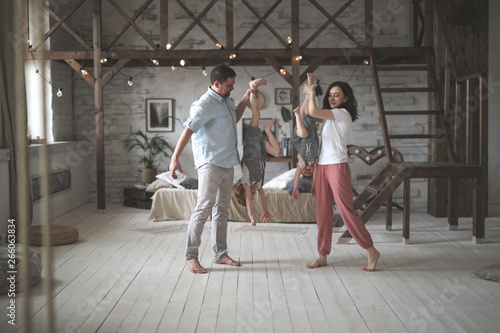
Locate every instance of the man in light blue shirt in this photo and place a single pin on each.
(212, 127)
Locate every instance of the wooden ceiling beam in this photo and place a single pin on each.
(58, 24)
(196, 21)
(139, 30)
(267, 25)
(65, 26)
(128, 24)
(77, 67)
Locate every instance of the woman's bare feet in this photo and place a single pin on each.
(321, 261)
(227, 261)
(373, 256)
(194, 266)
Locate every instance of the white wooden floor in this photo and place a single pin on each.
(127, 274)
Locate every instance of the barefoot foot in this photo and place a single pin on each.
(321, 261)
(227, 261)
(194, 266)
(255, 84)
(373, 256)
(310, 78)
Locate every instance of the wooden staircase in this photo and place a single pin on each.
(397, 171)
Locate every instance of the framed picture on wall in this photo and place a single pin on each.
(159, 115)
(283, 96)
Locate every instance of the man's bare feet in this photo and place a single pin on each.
(321, 261)
(227, 261)
(194, 266)
(310, 78)
(255, 84)
(373, 256)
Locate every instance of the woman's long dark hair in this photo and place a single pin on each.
(351, 105)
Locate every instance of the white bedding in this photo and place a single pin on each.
(178, 204)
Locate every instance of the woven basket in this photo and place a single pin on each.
(59, 235)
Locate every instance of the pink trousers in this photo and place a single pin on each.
(333, 185)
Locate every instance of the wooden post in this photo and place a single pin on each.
(163, 23)
(99, 119)
(229, 24)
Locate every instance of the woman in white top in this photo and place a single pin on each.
(333, 175)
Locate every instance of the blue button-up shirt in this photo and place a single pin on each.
(212, 118)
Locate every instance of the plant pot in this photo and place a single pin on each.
(147, 176)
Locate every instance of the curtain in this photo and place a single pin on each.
(13, 95)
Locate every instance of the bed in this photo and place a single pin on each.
(177, 203)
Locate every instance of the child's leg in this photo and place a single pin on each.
(272, 146)
(254, 122)
(300, 129)
(255, 84)
(305, 107)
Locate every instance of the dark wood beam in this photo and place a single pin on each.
(128, 24)
(267, 25)
(196, 21)
(163, 23)
(99, 117)
(139, 30)
(65, 26)
(58, 23)
(113, 71)
(77, 67)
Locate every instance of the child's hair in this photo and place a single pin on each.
(310, 178)
(239, 193)
(351, 105)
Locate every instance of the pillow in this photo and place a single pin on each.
(157, 184)
(281, 180)
(491, 272)
(304, 186)
(190, 183)
(168, 178)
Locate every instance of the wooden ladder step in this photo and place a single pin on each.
(394, 90)
(415, 136)
(375, 189)
(403, 68)
(414, 112)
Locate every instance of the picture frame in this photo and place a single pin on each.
(283, 96)
(159, 115)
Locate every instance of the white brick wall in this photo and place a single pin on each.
(124, 106)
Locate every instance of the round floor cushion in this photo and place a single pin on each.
(10, 270)
(60, 235)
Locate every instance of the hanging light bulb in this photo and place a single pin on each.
(130, 83)
(298, 58)
(204, 71)
(104, 60)
(219, 45)
(173, 67)
(282, 71)
(168, 46)
(232, 56)
(30, 44)
(83, 71)
(59, 92)
(289, 40)
(182, 62)
(155, 62)
(366, 62)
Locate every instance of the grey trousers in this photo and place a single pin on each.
(214, 197)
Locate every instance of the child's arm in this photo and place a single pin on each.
(272, 146)
(248, 199)
(266, 216)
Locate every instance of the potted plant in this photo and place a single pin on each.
(153, 149)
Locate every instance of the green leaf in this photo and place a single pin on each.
(286, 114)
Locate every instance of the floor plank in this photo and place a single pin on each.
(128, 274)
